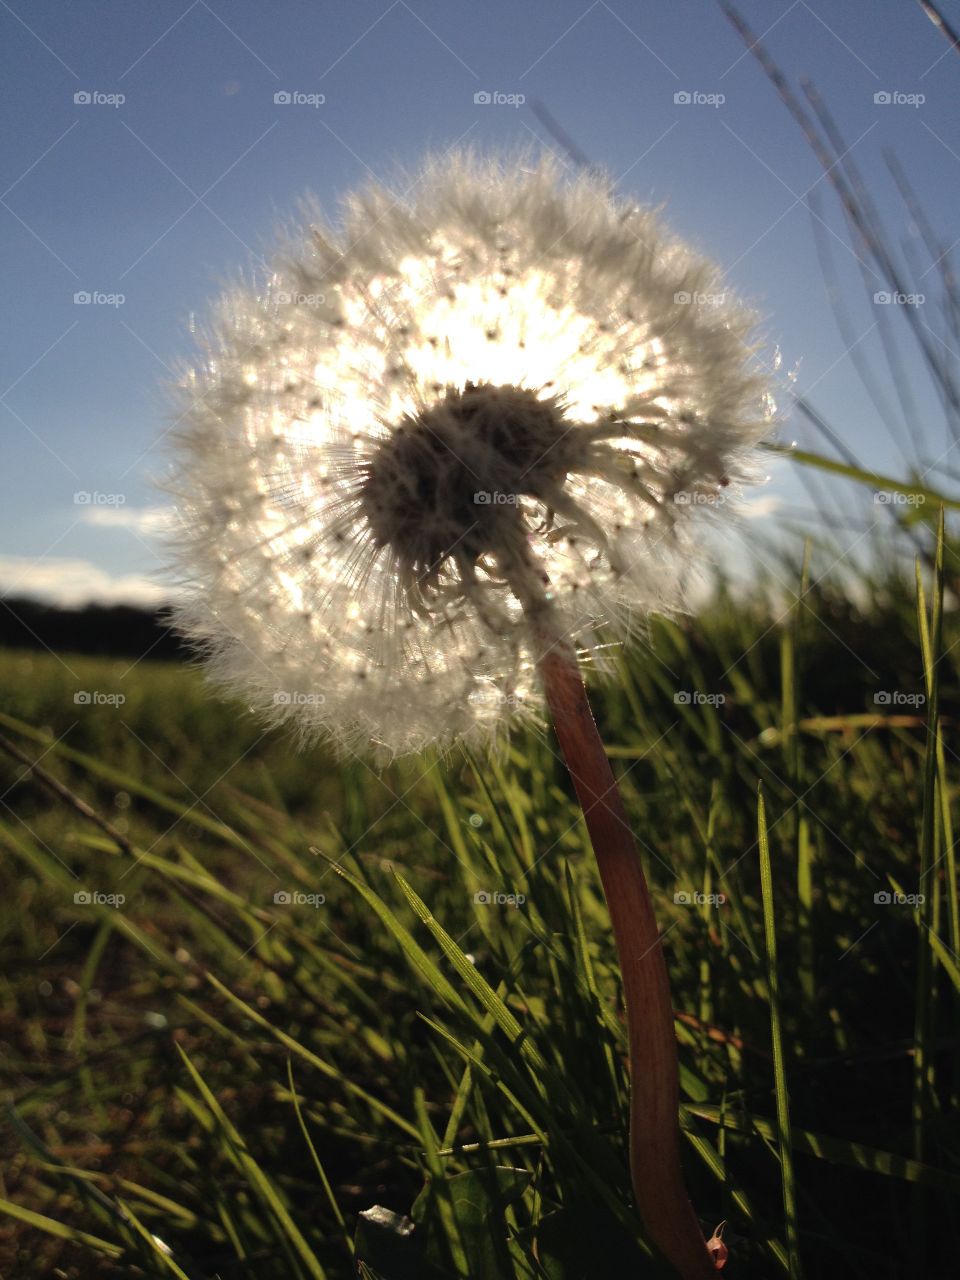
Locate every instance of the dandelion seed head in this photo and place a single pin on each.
(500, 386)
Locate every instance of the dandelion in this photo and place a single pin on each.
(443, 454)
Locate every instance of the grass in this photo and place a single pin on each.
(242, 1078)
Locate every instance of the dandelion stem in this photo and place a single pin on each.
(655, 1169)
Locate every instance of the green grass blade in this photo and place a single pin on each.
(59, 1229)
(779, 1070)
(258, 1179)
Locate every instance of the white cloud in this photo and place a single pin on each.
(143, 520)
(73, 582)
(766, 505)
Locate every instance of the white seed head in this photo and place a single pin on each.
(505, 388)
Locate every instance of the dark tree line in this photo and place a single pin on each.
(111, 630)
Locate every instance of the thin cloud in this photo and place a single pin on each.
(74, 582)
(756, 508)
(142, 520)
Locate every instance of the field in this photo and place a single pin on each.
(248, 993)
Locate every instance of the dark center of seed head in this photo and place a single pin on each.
(449, 480)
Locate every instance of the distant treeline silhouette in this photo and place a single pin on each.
(122, 631)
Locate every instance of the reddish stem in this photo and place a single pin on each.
(654, 1094)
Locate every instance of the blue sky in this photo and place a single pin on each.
(157, 198)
